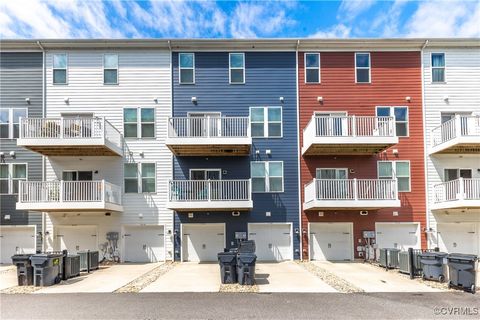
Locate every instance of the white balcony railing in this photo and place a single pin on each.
(209, 190)
(69, 192)
(351, 126)
(458, 127)
(457, 190)
(209, 127)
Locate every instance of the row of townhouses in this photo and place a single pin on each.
(152, 150)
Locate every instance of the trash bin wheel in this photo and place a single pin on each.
(58, 279)
(473, 289)
(423, 276)
(449, 284)
(441, 278)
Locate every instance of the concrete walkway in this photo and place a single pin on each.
(373, 279)
(107, 279)
(8, 276)
(188, 277)
(288, 276)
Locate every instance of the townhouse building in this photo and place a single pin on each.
(451, 71)
(21, 95)
(233, 134)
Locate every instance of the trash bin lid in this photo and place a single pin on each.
(226, 257)
(433, 254)
(22, 256)
(462, 256)
(247, 257)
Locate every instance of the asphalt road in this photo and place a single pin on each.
(241, 306)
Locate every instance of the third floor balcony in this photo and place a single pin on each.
(458, 135)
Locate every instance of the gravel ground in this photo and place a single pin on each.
(331, 279)
(149, 277)
(21, 290)
(238, 288)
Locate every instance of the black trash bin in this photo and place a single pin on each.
(461, 270)
(228, 267)
(246, 268)
(24, 269)
(47, 268)
(433, 267)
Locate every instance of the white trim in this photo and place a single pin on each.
(117, 69)
(266, 134)
(299, 176)
(330, 113)
(267, 176)
(139, 123)
(123, 226)
(363, 68)
(180, 68)
(53, 69)
(139, 177)
(312, 68)
(292, 248)
(352, 241)
(336, 169)
(235, 68)
(10, 123)
(394, 172)
(10, 176)
(205, 171)
(201, 224)
(458, 172)
(392, 114)
(444, 68)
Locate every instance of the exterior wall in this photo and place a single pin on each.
(143, 76)
(268, 76)
(394, 76)
(462, 75)
(21, 78)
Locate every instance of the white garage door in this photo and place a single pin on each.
(273, 241)
(16, 240)
(457, 238)
(398, 235)
(144, 244)
(202, 242)
(77, 238)
(331, 241)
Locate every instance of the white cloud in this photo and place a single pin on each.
(387, 24)
(350, 9)
(337, 31)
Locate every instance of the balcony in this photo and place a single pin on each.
(209, 136)
(457, 194)
(67, 196)
(348, 135)
(458, 135)
(350, 194)
(70, 137)
(211, 195)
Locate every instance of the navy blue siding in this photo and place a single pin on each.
(268, 76)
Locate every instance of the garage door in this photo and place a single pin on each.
(16, 240)
(398, 235)
(144, 244)
(77, 238)
(457, 237)
(202, 242)
(273, 241)
(331, 241)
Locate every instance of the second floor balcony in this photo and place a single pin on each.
(348, 135)
(210, 195)
(70, 136)
(458, 135)
(65, 196)
(209, 136)
(351, 194)
(457, 194)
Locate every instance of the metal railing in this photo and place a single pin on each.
(460, 126)
(209, 127)
(459, 189)
(69, 191)
(210, 190)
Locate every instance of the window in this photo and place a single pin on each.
(362, 67)
(267, 176)
(186, 62)
(454, 174)
(266, 122)
(148, 177)
(139, 122)
(10, 122)
(323, 173)
(10, 175)
(147, 181)
(131, 178)
(110, 69)
(438, 67)
(400, 115)
(312, 67)
(237, 68)
(60, 68)
(399, 170)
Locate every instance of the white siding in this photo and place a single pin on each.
(143, 76)
(462, 87)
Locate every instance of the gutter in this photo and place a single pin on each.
(300, 225)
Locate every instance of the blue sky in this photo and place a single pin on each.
(238, 19)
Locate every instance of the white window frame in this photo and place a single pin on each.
(140, 123)
(180, 68)
(266, 134)
(11, 123)
(364, 68)
(10, 178)
(230, 68)
(139, 177)
(458, 172)
(205, 170)
(305, 67)
(336, 169)
(392, 114)
(444, 68)
(130, 178)
(394, 172)
(116, 69)
(267, 176)
(53, 69)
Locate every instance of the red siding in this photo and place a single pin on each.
(394, 76)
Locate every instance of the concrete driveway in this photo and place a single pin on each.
(288, 276)
(106, 279)
(8, 276)
(372, 279)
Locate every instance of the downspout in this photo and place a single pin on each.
(300, 226)
(173, 235)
